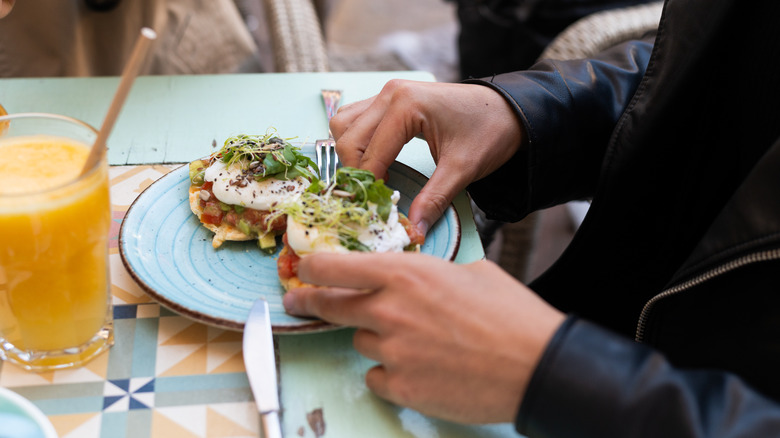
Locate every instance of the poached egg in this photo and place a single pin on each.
(377, 235)
(232, 186)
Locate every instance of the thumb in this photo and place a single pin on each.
(435, 197)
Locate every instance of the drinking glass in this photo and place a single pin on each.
(55, 299)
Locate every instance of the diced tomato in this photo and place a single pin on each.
(212, 214)
(207, 188)
(231, 217)
(287, 263)
(415, 236)
(252, 216)
(279, 223)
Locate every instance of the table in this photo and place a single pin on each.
(170, 376)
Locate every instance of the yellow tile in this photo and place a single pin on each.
(164, 427)
(194, 334)
(219, 426)
(65, 424)
(195, 363)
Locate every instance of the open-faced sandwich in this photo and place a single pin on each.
(355, 213)
(233, 190)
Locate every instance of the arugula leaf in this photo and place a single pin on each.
(365, 188)
(272, 166)
(380, 194)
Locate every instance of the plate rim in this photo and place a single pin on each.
(30, 410)
(313, 326)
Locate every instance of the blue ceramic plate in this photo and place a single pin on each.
(20, 417)
(169, 253)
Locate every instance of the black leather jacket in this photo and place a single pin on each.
(677, 142)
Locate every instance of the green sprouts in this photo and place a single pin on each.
(351, 203)
(266, 156)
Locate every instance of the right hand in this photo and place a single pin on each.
(459, 342)
(471, 131)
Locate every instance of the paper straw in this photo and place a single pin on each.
(135, 63)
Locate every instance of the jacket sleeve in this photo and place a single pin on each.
(568, 110)
(593, 383)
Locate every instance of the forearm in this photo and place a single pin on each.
(568, 110)
(593, 383)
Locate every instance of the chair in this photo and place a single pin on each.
(599, 31)
(296, 36)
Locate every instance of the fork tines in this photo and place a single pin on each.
(331, 99)
(331, 160)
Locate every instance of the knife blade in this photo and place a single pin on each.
(260, 363)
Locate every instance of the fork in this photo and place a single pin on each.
(331, 98)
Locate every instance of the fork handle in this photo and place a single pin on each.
(331, 98)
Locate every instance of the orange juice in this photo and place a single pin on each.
(54, 283)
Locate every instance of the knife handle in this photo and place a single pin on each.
(269, 423)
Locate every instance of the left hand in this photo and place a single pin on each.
(458, 342)
(471, 131)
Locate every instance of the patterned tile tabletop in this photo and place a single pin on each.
(166, 376)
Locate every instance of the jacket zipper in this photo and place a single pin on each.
(761, 256)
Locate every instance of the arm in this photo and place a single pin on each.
(607, 386)
(546, 126)
(568, 110)
(513, 355)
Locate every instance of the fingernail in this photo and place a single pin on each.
(288, 301)
(422, 226)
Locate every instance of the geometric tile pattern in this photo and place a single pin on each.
(168, 376)
(125, 394)
(165, 376)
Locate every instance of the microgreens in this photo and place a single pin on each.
(353, 201)
(267, 156)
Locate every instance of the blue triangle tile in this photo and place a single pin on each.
(110, 400)
(135, 404)
(122, 383)
(149, 387)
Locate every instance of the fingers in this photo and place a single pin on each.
(434, 198)
(336, 305)
(350, 126)
(400, 122)
(376, 381)
(347, 299)
(366, 342)
(347, 114)
(370, 134)
(367, 271)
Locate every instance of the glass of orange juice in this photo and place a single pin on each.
(55, 300)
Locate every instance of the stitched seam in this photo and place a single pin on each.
(651, 66)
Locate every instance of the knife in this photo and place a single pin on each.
(260, 363)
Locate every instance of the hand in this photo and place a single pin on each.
(457, 342)
(470, 129)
